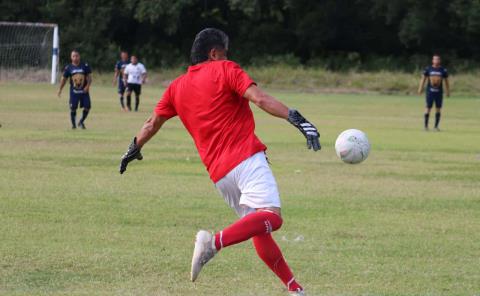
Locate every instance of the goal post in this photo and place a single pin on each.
(29, 51)
(55, 52)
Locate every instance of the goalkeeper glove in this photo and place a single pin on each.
(132, 153)
(306, 128)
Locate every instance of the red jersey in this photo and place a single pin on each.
(209, 101)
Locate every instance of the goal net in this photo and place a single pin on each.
(28, 52)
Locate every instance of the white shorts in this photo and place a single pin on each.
(250, 185)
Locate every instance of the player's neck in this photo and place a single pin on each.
(76, 64)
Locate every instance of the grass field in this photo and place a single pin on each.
(405, 222)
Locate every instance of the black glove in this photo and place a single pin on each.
(132, 153)
(308, 130)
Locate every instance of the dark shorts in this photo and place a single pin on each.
(82, 99)
(121, 87)
(136, 88)
(436, 98)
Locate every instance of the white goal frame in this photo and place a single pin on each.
(55, 45)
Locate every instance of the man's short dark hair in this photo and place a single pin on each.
(75, 50)
(204, 42)
(436, 55)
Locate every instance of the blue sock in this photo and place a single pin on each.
(84, 115)
(73, 114)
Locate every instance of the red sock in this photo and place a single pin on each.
(251, 225)
(270, 253)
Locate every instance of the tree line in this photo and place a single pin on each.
(335, 34)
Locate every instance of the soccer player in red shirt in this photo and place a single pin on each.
(212, 101)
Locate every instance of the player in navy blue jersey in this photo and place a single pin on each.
(436, 75)
(80, 78)
(118, 77)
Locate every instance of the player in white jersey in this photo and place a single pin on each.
(134, 76)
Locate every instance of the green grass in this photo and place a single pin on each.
(405, 222)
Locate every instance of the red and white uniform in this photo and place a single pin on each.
(209, 101)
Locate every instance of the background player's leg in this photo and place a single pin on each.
(428, 108)
(86, 108)
(427, 117)
(81, 123)
(438, 107)
(137, 102)
(268, 250)
(129, 99)
(438, 114)
(73, 110)
(121, 93)
(137, 98)
(122, 100)
(73, 115)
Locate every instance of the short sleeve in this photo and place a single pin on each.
(426, 72)
(117, 66)
(125, 71)
(66, 72)
(165, 107)
(237, 79)
(445, 73)
(144, 70)
(88, 70)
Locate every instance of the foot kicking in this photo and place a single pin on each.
(203, 252)
(299, 292)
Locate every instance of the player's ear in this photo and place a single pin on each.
(216, 54)
(212, 54)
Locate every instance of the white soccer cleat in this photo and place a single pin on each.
(298, 293)
(203, 252)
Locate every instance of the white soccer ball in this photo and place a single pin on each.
(352, 146)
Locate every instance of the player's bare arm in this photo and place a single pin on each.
(447, 87)
(266, 102)
(149, 129)
(144, 78)
(116, 74)
(422, 84)
(62, 84)
(89, 82)
(276, 108)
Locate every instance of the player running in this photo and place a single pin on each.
(80, 76)
(436, 75)
(134, 76)
(118, 77)
(212, 100)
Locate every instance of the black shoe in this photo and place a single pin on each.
(74, 127)
(437, 129)
(426, 129)
(82, 125)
